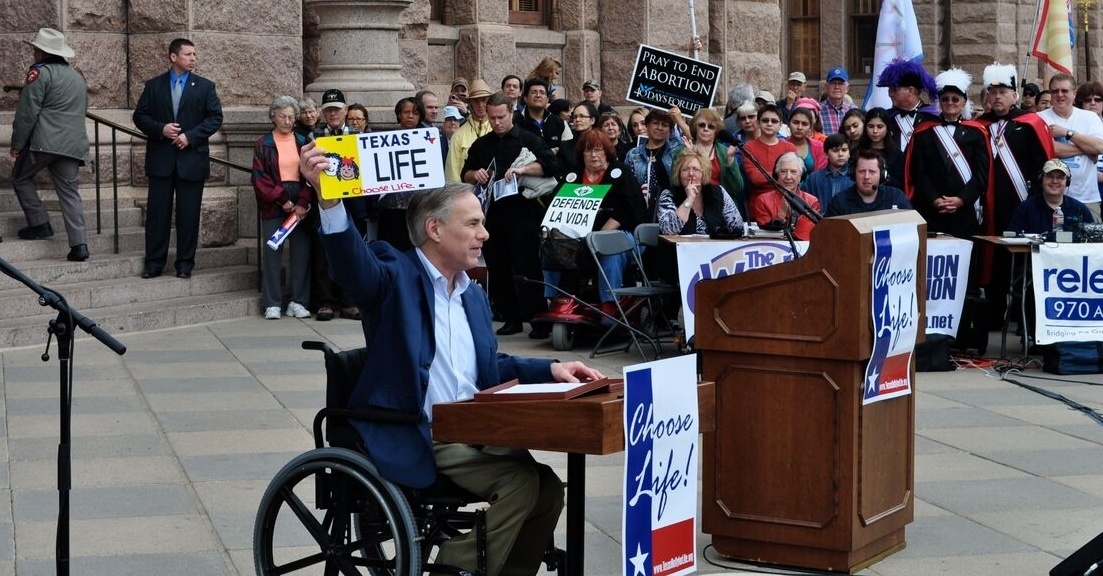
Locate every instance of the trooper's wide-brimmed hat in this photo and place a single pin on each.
(51, 41)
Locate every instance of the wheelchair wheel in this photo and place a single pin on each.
(329, 510)
(562, 336)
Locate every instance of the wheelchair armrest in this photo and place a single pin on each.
(382, 415)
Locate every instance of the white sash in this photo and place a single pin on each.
(953, 150)
(1010, 163)
(907, 126)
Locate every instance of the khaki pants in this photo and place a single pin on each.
(525, 499)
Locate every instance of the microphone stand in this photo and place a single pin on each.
(62, 328)
(796, 203)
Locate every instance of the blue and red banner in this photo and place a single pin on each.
(895, 312)
(660, 468)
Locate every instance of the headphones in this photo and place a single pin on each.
(882, 168)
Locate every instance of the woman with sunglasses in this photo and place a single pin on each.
(766, 149)
(946, 165)
(723, 168)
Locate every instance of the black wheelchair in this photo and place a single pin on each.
(329, 511)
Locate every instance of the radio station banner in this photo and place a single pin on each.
(661, 456)
(895, 312)
(716, 259)
(378, 163)
(574, 208)
(1068, 293)
(663, 79)
(947, 281)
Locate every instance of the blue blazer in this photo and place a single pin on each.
(199, 115)
(395, 296)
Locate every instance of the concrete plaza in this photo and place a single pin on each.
(174, 443)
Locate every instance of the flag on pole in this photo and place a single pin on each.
(1053, 35)
(897, 37)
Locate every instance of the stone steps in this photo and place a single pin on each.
(107, 287)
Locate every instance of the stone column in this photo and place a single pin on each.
(744, 40)
(359, 53)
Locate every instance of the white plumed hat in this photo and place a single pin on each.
(954, 79)
(1000, 75)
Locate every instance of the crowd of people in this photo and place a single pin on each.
(964, 167)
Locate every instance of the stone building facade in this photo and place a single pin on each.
(380, 50)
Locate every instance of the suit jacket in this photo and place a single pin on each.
(199, 116)
(395, 294)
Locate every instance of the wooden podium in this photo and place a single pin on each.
(797, 471)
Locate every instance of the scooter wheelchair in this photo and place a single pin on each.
(329, 511)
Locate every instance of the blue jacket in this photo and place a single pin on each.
(395, 295)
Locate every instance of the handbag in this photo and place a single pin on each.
(561, 252)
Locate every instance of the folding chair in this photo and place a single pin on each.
(647, 298)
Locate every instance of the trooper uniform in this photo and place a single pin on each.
(48, 132)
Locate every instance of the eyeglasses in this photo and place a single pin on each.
(577, 116)
(770, 120)
(690, 170)
(1060, 91)
(951, 99)
(1094, 99)
(594, 151)
(703, 125)
(751, 117)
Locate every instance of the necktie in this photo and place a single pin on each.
(177, 91)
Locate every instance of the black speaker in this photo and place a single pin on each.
(1087, 561)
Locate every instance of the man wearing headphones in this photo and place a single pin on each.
(1052, 210)
(770, 208)
(867, 194)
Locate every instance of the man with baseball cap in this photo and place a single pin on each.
(591, 92)
(834, 105)
(48, 132)
(457, 96)
(1030, 97)
(794, 90)
(333, 112)
(1053, 210)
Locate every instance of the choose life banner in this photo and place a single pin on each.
(663, 79)
(661, 456)
(377, 163)
(895, 312)
(1068, 293)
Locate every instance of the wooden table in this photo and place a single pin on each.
(588, 425)
(1019, 250)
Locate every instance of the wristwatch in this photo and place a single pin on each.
(1070, 134)
(687, 205)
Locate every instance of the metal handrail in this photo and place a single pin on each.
(115, 129)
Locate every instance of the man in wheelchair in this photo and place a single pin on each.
(429, 340)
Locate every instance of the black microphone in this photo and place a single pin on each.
(726, 137)
(874, 187)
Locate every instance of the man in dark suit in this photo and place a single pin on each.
(430, 341)
(178, 111)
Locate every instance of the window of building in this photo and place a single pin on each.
(528, 12)
(863, 36)
(804, 37)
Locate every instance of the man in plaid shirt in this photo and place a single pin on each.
(835, 105)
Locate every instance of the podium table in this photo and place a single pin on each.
(799, 472)
(587, 425)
